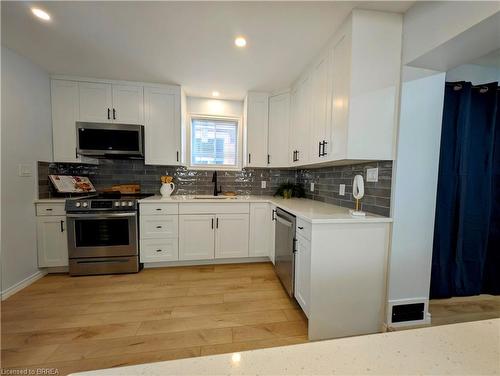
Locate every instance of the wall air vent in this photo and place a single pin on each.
(408, 312)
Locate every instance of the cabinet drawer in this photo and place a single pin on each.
(155, 250)
(304, 228)
(159, 226)
(214, 208)
(158, 209)
(50, 209)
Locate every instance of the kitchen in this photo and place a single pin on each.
(204, 214)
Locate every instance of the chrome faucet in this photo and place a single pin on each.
(214, 180)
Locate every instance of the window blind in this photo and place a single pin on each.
(214, 142)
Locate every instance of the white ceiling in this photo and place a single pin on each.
(187, 43)
(489, 60)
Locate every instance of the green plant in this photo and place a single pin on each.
(297, 190)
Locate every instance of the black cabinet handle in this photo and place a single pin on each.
(114, 114)
(109, 114)
(76, 153)
(62, 226)
(49, 209)
(212, 223)
(300, 228)
(324, 148)
(217, 223)
(158, 250)
(249, 158)
(158, 209)
(158, 226)
(297, 156)
(319, 149)
(177, 156)
(268, 159)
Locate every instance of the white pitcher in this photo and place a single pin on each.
(167, 189)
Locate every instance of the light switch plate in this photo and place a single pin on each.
(372, 175)
(342, 189)
(25, 170)
(263, 184)
(312, 187)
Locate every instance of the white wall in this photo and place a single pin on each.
(477, 74)
(26, 138)
(214, 107)
(428, 25)
(414, 191)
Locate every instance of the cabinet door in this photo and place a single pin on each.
(302, 121)
(65, 112)
(320, 109)
(256, 129)
(260, 230)
(231, 238)
(162, 125)
(95, 102)
(272, 241)
(52, 241)
(128, 104)
(340, 98)
(279, 129)
(196, 237)
(303, 273)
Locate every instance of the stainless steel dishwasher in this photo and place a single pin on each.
(285, 249)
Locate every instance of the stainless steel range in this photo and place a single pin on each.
(103, 234)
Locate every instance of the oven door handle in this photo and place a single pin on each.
(99, 216)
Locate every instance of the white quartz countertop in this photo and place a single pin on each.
(309, 210)
(460, 349)
(50, 200)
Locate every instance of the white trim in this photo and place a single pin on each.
(244, 260)
(427, 317)
(116, 82)
(22, 284)
(239, 144)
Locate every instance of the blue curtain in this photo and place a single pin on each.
(466, 252)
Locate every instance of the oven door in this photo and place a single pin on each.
(102, 234)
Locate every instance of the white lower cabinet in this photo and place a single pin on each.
(52, 241)
(159, 226)
(260, 230)
(155, 250)
(231, 238)
(196, 236)
(303, 273)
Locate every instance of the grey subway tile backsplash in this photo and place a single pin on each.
(245, 182)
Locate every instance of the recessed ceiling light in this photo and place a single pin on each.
(240, 42)
(215, 93)
(41, 14)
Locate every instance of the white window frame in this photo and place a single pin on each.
(239, 143)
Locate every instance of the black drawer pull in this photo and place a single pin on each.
(158, 250)
(159, 209)
(301, 228)
(158, 226)
(49, 209)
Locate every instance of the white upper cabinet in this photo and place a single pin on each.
(162, 125)
(96, 102)
(256, 127)
(344, 106)
(128, 104)
(65, 112)
(279, 130)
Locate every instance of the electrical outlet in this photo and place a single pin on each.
(25, 170)
(342, 189)
(372, 175)
(263, 184)
(312, 187)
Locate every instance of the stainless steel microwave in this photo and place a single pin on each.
(110, 140)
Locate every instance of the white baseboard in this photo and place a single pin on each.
(22, 284)
(206, 262)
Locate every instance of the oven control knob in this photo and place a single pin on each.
(85, 204)
(78, 204)
(124, 203)
(117, 203)
(130, 203)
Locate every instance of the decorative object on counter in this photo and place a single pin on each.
(230, 194)
(358, 191)
(125, 188)
(289, 190)
(72, 184)
(167, 186)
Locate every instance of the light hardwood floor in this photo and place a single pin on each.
(463, 309)
(85, 323)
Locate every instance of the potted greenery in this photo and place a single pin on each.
(289, 190)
